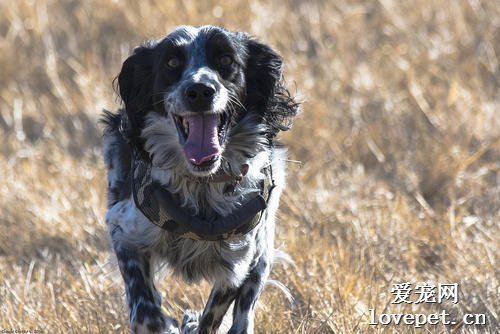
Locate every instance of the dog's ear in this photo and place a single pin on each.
(135, 84)
(266, 93)
(263, 72)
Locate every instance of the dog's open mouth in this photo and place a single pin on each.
(202, 136)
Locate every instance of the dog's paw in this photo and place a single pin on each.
(147, 318)
(152, 325)
(190, 322)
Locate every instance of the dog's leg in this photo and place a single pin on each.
(249, 292)
(217, 305)
(133, 241)
(143, 299)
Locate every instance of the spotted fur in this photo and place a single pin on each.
(259, 107)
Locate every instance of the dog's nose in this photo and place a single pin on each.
(199, 96)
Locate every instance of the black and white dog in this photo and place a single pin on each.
(202, 108)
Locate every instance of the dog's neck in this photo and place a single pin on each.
(206, 196)
(245, 145)
(220, 176)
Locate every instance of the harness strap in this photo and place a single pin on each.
(161, 208)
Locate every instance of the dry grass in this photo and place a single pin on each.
(399, 141)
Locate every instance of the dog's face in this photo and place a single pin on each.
(201, 82)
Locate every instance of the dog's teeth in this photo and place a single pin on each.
(185, 124)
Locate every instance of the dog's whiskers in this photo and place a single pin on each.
(234, 99)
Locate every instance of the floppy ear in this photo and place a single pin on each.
(135, 85)
(266, 93)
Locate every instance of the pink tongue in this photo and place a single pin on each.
(202, 142)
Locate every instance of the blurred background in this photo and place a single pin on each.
(398, 143)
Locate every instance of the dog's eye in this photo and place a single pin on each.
(173, 62)
(226, 60)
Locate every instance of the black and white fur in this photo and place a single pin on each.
(247, 91)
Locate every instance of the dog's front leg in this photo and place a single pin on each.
(144, 301)
(133, 240)
(249, 292)
(217, 305)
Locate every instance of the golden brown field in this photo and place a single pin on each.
(399, 143)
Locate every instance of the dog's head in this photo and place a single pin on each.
(198, 90)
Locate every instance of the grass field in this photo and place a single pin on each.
(398, 143)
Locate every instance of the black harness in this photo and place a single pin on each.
(161, 206)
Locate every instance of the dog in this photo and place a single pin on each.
(195, 172)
